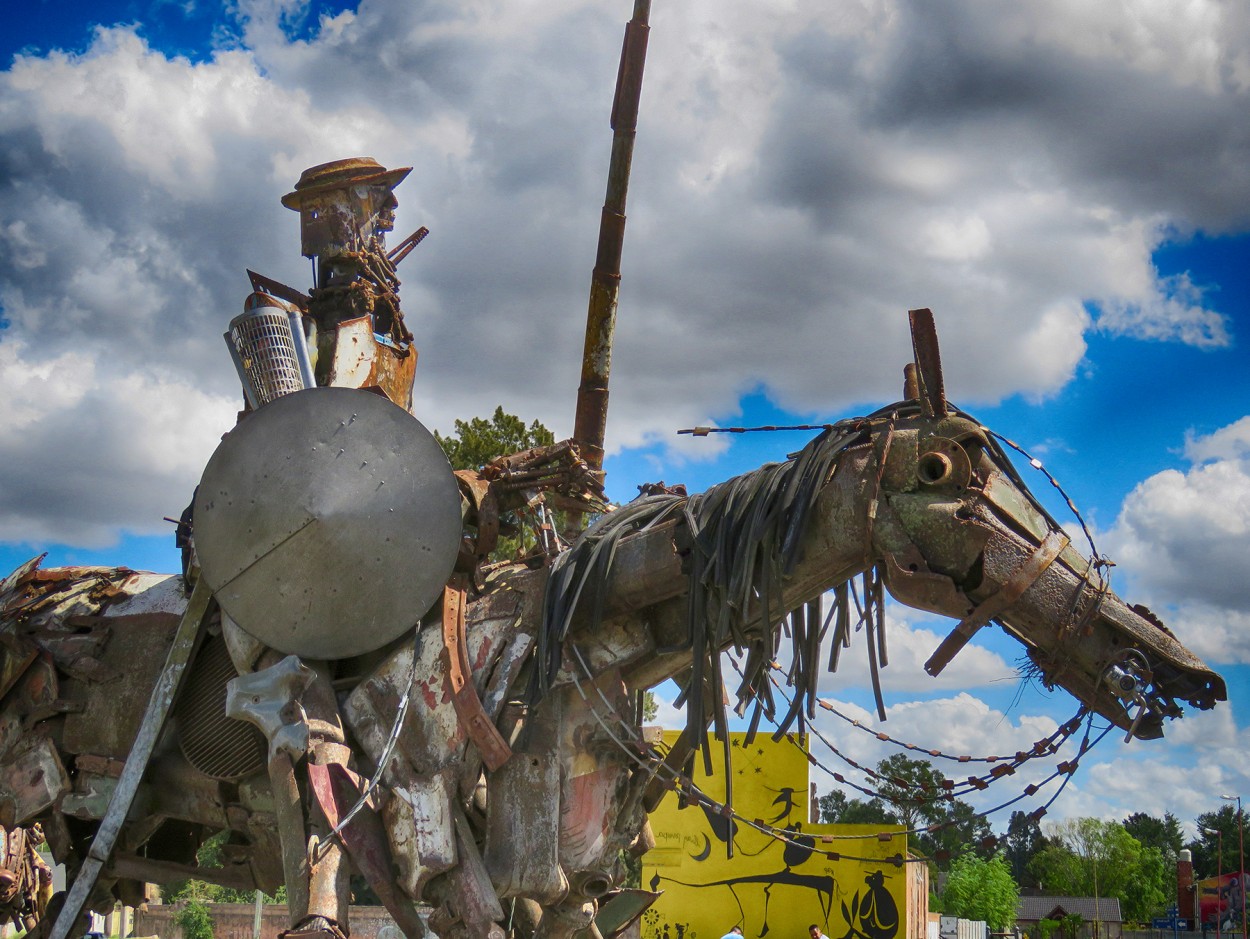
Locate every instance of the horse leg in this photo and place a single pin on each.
(294, 707)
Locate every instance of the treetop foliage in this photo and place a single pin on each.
(981, 889)
(478, 441)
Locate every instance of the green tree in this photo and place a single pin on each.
(913, 788)
(962, 828)
(1092, 858)
(915, 793)
(477, 441)
(837, 809)
(1162, 833)
(981, 889)
(1024, 840)
(1208, 861)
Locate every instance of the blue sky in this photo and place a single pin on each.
(1067, 188)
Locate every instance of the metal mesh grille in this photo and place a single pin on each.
(266, 353)
(216, 745)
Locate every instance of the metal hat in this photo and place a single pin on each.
(338, 174)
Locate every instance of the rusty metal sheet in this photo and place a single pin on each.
(34, 779)
(466, 894)
(394, 372)
(16, 655)
(16, 577)
(337, 789)
(327, 522)
(998, 602)
(33, 698)
(464, 697)
(359, 360)
(112, 711)
(523, 860)
(419, 827)
(928, 362)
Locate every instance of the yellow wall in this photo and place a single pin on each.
(770, 887)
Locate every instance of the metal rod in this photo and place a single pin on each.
(590, 421)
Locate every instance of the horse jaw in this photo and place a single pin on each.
(977, 547)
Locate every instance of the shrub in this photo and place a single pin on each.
(194, 921)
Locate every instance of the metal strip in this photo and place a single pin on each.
(159, 706)
(1020, 581)
(928, 363)
(490, 743)
(364, 838)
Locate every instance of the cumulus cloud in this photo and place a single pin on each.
(911, 637)
(1184, 537)
(802, 177)
(960, 725)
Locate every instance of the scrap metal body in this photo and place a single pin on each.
(547, 826)
(361, 691)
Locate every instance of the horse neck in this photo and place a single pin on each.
(835, 545)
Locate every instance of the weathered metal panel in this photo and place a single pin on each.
(327, 523)
(523, 859)
(112, 710)
(419, 826)
(595, 776)
(151, 593)
(432, 736)
(33, 781)
(164, 692)
(351, 365)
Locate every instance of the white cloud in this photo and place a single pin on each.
(909, 646)
(1183, 539)
(1227, 443)
(803, 175)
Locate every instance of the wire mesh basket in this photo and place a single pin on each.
(266, 353)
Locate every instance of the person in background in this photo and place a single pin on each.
(813, 931)
(735, 933)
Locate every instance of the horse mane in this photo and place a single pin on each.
(744, 537)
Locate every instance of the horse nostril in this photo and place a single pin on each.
(933, 468)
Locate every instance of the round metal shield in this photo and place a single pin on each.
(327, 522)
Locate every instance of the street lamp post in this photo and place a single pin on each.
(1241, 861)
(1219, 876)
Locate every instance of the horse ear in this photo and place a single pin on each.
(928, 363)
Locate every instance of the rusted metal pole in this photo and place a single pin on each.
(592, 395)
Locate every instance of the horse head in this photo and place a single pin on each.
(959, 533)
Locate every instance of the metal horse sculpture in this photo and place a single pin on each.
(339, 682)
(520, 810)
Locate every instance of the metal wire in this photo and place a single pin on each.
(401, 712)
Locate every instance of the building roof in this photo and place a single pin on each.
(1102, 909)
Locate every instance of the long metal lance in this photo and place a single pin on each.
(591, 418)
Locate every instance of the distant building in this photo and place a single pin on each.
(1100, 917)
